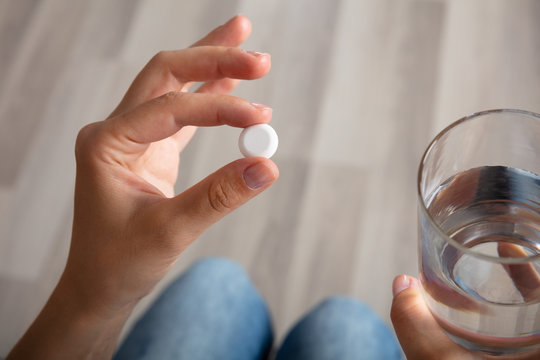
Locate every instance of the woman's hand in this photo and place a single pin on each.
(128, 226)
(418, 332)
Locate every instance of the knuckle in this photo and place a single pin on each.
(86, 139)
(220, 117)
(92, 143)
(395, 312)
(229, 109)
(222, 197)
(233, 51)
(235, 100)
(223, 62)
(170, 97)
(159, 57)
(403, 308)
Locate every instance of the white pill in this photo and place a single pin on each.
(258, 140)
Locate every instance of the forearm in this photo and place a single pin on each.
(66, 330)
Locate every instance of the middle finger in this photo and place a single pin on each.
(202, 63)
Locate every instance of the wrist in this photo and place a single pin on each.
(85, 304)
(69, 327)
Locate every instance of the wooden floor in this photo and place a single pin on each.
(358, 89)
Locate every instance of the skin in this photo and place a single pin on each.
(418, 332)
(129, 227)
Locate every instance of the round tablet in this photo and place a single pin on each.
(258, 140)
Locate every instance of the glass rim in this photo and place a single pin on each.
(423, 208)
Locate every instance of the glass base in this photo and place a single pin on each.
(495, 351)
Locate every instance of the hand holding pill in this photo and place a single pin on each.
(129, 225)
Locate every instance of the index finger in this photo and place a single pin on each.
(162, 117)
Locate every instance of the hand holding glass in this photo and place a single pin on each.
(479, 214)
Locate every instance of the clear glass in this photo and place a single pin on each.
(479, 231)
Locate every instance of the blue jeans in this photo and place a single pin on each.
(213, 311)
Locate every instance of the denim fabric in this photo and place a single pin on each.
(213, 311)
(340, 328)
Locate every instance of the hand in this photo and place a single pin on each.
(418, 332)
(128, 226)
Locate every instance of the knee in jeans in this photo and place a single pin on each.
(341, 311)
(217, 274)
(340, 304)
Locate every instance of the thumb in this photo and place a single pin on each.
(419, 334)
(200, 206)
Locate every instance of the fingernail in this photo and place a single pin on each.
(259, 106)
(255, 53)
(403, 282)
(258, 175)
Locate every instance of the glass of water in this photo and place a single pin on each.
(479, 225)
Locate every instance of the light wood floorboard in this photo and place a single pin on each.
(358, 89)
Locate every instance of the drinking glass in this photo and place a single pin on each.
(479, 231)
